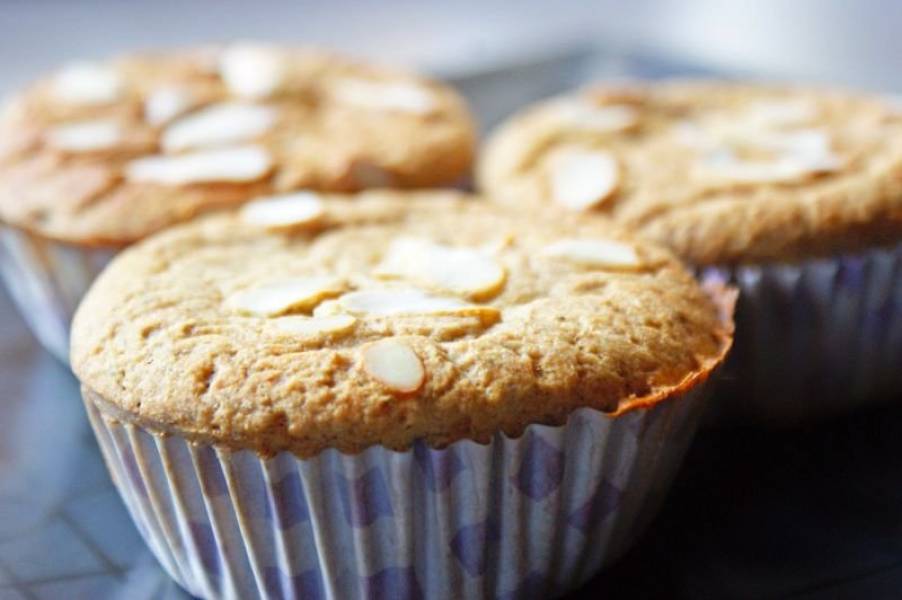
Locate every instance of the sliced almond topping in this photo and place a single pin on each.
(238, 164)
(464, 271)
(689, 134)
(397, 301)
(412, 301)
(85, 136)
(755, 124)
(312, 326)
(252, 71)
(377, 95)
(791, 156)
(285, 211)
(582, 179)
(88, 83)
(780, 113)
(726, 167)
(805, 143)
(289, 295)
(595, 253)
(578, 112)
(794, 163)
(394, 364)
(217, 125)
(165, 104)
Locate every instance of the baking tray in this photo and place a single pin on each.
(814, 512)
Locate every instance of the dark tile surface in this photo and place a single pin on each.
(64, 533)
(813, 512)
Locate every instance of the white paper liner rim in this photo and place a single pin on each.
(813, 339)
(540, 513)
(47, 279)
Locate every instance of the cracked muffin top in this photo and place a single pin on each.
(107, 153)
(723, 173)
(308, 322)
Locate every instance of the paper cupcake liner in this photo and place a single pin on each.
(814, 339)
(47, 280)
(522, 517)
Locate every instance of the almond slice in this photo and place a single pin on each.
(464, 271)
(285, 211)
(218, 125)
(385, 96)
(691, 135)
(761, 120)
(88, 83)
(252, 71)
(236, 164)
(798, 154)
(85, 136)
(394, 364)
(284, 296)
(334, 325)
(582, 179)
(595, 253)
(411, 301)
(582, 114)
(165, 104)
(779, 113)
(728, 168)
(397, 301)
(788, 167)
(802, 142)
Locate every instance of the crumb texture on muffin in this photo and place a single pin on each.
(105, 153)
(390, 317)
(720, 172)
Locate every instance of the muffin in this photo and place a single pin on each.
(100, 155)
(793, 194)
(405, 395)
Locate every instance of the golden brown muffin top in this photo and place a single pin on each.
(720, 172)
(307, 323)
(107, 153)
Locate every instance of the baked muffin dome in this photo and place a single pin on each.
(387, 318)
(723, 173)
(107, 153)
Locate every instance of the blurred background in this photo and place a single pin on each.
(856, 43)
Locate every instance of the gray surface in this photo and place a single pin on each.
(849, 42)
(64, 533)
(814, 513)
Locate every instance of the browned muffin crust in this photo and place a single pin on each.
(80, 151)
(720, 172)
(389, 318)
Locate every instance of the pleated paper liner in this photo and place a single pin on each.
(815, 339)
(531, 516)
(47, 279)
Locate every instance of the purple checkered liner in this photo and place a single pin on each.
(818, 338)
(537, 515)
